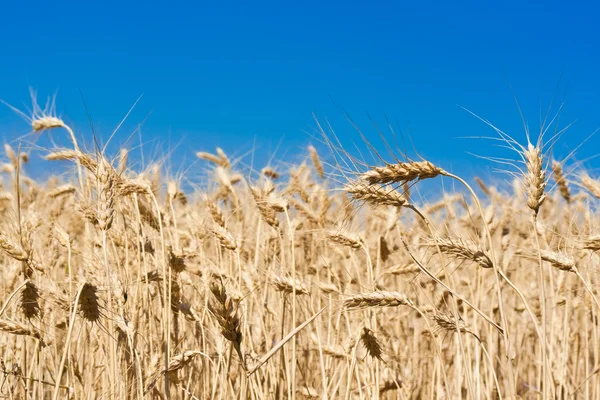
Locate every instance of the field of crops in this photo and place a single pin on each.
(329, 280)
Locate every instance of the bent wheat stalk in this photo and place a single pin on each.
(283, 341)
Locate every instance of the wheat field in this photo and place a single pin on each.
(317, 280)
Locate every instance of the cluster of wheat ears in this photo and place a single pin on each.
(289, 284)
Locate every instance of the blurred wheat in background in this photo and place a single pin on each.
(317, 281)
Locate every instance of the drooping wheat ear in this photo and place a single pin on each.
(189, 312)
(215, 213)
(225, 238)
(224, 180)
(155, 178)
(345, 239)
(377, 299)
(561, 182)
(46, 122)
(5, 196)
(62, 190)
(172, 191)
(444, 203)
(267, 212)
(446, 322)
(277, 204)
(123, 158)
(591, 243)
(7, 168)
(225, 163)
(88, 213)
(106, 195)
(62, 236)
(269, 172)
(287, 285)
(175, 364)
(535, 178)
(215, 159)
(402, 172)
(327, 287)
(335, 351)
(89, 305)
(12, 248)
(30, 297)
(314, 156)
(15, 328)
(371, 343)
(148, 214)
(406, 190)
(12, 156)
(74, 155)
(304, 210)
(177, 261)
(483, 186)
(209, 157)
(403, 269)
(461, 249)
(126, 187)
(592, 185)
(559, 260)
(374, 194)
(223, 308)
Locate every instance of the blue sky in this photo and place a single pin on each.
(246, 75)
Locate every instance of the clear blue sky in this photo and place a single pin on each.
(238, 73)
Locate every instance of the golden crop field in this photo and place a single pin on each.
(327, 279)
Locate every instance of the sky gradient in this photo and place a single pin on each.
(250, 75)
